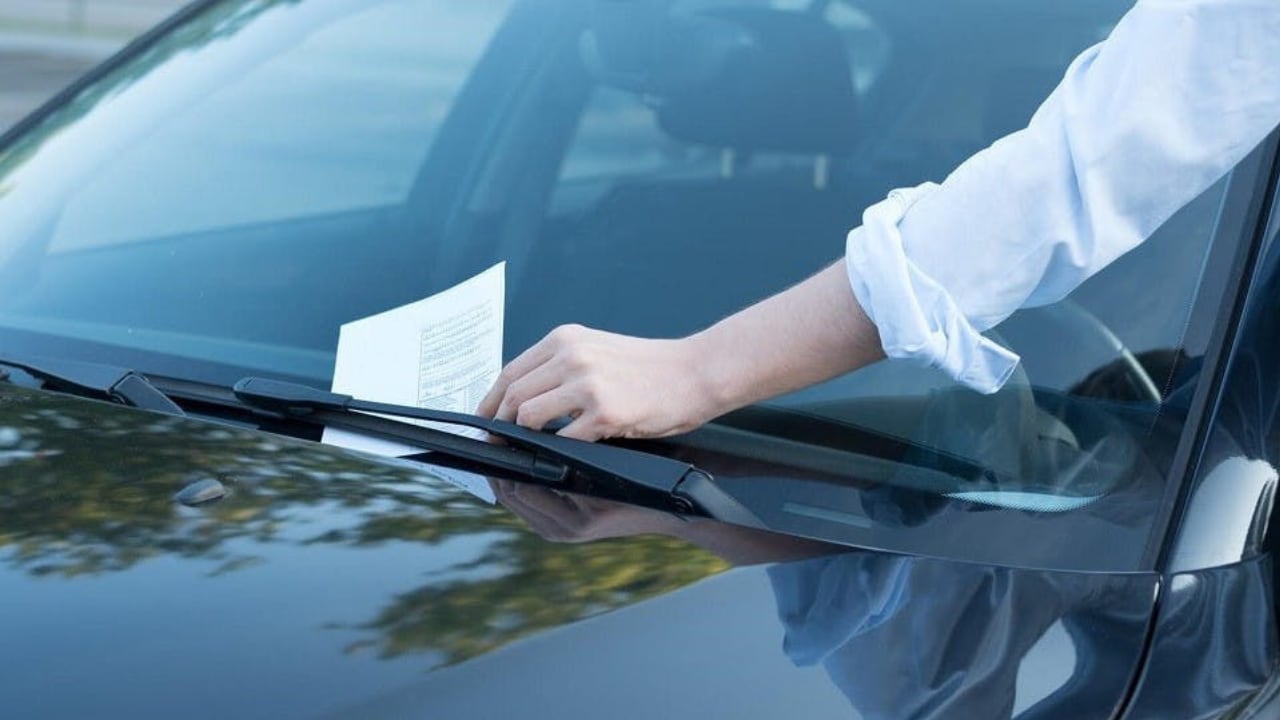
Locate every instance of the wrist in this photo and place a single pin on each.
(715, 381)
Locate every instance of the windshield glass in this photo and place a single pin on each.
(220, 202)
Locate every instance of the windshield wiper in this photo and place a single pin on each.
(550, 459)
(553, 460)
(93, 380)
(558, 461)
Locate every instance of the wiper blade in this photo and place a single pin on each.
(546, 457)
(94, 380)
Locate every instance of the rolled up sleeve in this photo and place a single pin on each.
(1140, 126)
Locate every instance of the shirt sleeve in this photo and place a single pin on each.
(1142, 124)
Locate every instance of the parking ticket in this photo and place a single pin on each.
(443, 352)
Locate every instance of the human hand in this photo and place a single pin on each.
(618, 386)
(567, 518)
(610, 385)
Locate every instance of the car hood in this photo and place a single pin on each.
(328, 583)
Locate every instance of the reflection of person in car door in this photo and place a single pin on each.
(1142, 123)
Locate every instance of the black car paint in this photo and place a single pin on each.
(146, 615)
(257, 605)
(312, 567)
(1242, 420)
(1214, 645)
(260, 606)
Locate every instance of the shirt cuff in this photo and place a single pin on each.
(917, 318)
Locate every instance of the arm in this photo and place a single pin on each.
(1141, 125)
(616, 386)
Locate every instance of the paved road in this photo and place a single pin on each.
(116, 18)
(29, 77)
(34, 66)
(45, 44)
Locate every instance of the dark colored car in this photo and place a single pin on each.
(216, 201)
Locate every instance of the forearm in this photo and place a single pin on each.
(811, 332)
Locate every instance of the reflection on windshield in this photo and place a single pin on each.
(219, 22)
(271, 118)
(269, 171)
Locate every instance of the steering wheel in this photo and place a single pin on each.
(1057, 341)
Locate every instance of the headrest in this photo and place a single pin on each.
(750, 79)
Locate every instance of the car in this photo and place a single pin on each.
(184, 231)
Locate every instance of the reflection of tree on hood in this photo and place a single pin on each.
(88, 489)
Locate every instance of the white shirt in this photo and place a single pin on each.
(1142, 123)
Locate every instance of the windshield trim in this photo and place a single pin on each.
(1251, 195)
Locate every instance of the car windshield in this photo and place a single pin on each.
(219, 201)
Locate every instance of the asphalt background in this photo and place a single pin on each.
(45, 44)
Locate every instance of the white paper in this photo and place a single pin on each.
(442, 353)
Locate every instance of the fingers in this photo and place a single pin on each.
(529, 361)
(528, 392)
(610, 385)
(525, 363)
(584, 427)
(561, 402)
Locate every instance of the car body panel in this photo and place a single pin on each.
(327, 580)
(331, 584)
(318, 564)
(1213, 644)
(1228, 516)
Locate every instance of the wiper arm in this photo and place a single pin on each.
(94, 380)
(558, 461)
(546, 457)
